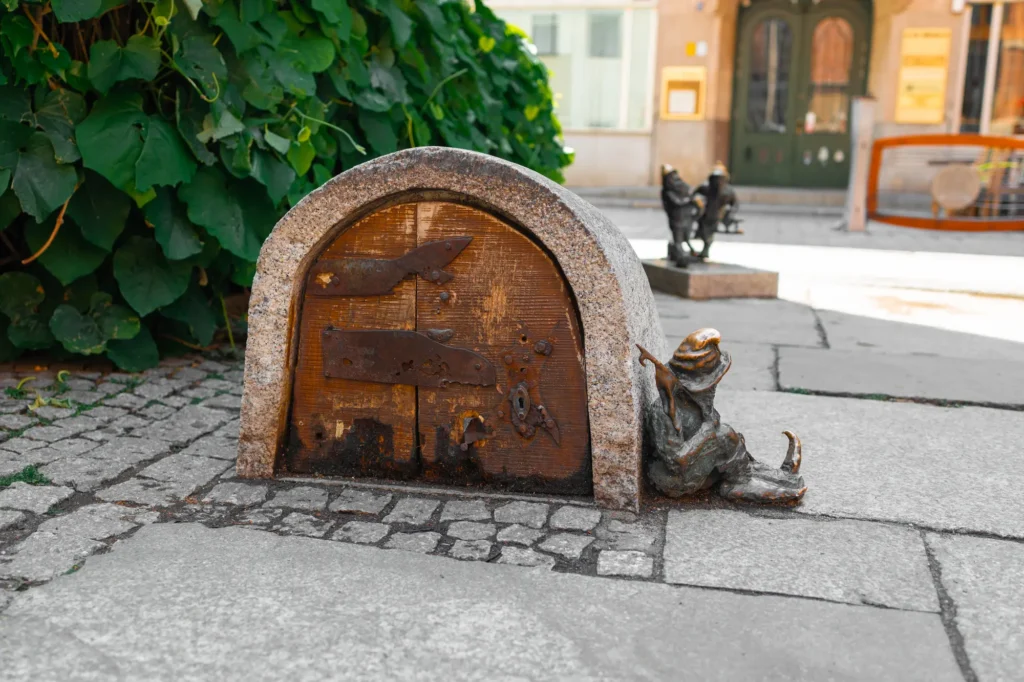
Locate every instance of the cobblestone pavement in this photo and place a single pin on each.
(896, 520)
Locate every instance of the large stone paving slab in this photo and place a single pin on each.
(740, 321)
(401, 615)
(854, 332)
(939, 467)
(857, 562)
(870, 372)
(985, 580)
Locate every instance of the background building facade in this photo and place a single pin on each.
(766, 85)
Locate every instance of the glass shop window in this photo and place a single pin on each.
(545, 33)
(1008, 100)
(605, 34)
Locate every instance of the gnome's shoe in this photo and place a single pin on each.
(760, 483)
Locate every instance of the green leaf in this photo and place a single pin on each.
(148, 280)
(201, 61)
(226, 125)
(171, 226)
(112, 136)
(486, 43)
(76, 10)
(301, 156)
(194, 7)
(193, 310)
(69, 256)
(100, 210)
(57, 115)
(242, 272)
(41, 184)
(110, 63)
(276, 142)
(190, 124)
(115, 321)
(10, 209)
(315, 53)
(136, 354)
(252, 10)
(380, 132)
(336, 12)
(8, 351)
(214, 207)
(276, 175)
(76, 332)
(164, 159)
(401, 24)
(21, 294)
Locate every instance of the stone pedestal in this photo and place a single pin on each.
(707, 280)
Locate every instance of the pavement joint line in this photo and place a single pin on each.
(777, 358)
(434, 490)
(948, 614)
(802, 597)
(881, 397)
(820, 327)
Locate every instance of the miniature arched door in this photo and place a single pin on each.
(437, 342)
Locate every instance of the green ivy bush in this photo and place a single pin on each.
(148, 148)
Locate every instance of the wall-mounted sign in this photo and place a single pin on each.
(683, 91)
(924, 71)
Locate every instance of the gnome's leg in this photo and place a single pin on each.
(744, 478)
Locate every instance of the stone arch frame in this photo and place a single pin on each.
(614, 301)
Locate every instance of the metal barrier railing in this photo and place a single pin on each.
(947, 182)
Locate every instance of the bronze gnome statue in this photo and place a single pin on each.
(692, 449)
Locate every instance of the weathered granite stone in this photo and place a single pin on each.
(218, 385)
(22, 445)
(362, 532)
(127, 401)
(64, 428)
(146, 491)
(33, 498)
(49, 412)
(200, 392)
(573, 517)
(10, 518)
(82, 397)
(414, 542)
(520, 535)
(98, 521)
(189, 374)
(412, 510)
(624, 563)
(984, 579)
(175, 401)
(615, 303)
(356, 501)
(241, 494)
(471, 550)
(130, 421)
(521, 556)
(569, 545)
(157, 411)
(213, 446)
(225, 401)
(151, 390)
(260, 517)
(841, 560)
(532, 514)
(297, 523)
(13, 422)
(305, 497)
(188, 471)
(105, 413)
(43, 556)
(96, 467)
(229, 431)
(465, 510)
(470, 530)
(184, 425)
(63, 448)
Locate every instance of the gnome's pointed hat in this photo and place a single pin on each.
(699, 363)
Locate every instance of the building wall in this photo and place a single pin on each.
(609, 159)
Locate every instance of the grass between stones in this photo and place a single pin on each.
(29, 474)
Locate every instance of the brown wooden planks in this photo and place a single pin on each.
(339, 426)
(506, 295)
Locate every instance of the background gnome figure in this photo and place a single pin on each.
(682, 212)
(692, 449)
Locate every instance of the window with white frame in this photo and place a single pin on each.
(601, 62)
(993, 96)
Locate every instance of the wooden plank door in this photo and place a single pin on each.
(342, 426)
(508, 302)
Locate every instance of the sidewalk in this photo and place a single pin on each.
(145, 558)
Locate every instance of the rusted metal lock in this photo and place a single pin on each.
(526, 407)
(376, 276)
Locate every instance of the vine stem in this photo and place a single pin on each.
(227, 322)
(53, 235)
(39, 32)
(305, 117)
(442, 84)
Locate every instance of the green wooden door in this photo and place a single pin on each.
(798, 65)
